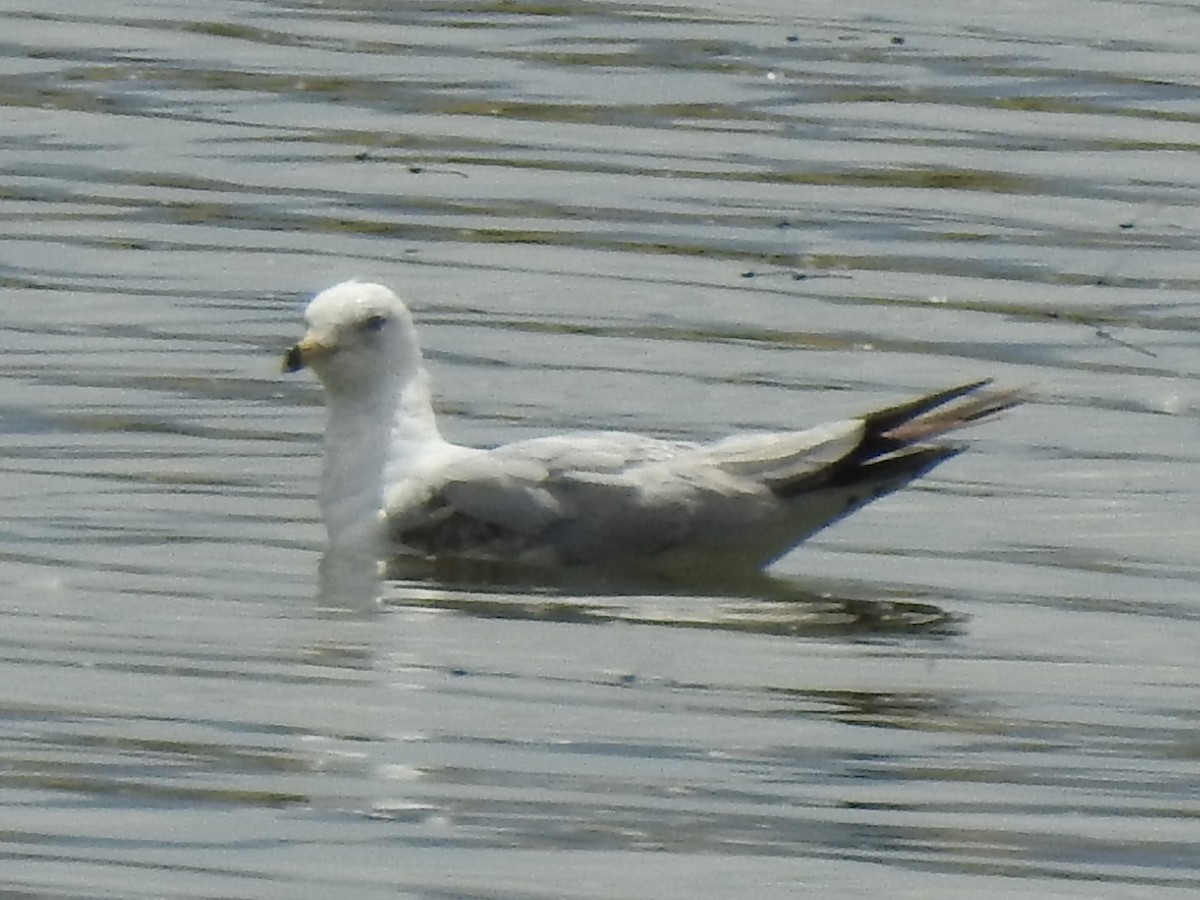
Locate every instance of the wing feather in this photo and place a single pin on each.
(564, 501)
(588, 498)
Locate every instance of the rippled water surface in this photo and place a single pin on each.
(676, 219)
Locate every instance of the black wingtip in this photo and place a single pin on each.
(957, 415)
(884, 420)
(896, 427)
(889, 473)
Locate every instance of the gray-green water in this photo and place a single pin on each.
(681, 220)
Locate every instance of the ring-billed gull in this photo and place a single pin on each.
(391, 483)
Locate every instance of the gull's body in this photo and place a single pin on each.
(393, 484)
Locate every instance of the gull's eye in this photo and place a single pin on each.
(374, 323)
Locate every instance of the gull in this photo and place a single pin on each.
(393, 485)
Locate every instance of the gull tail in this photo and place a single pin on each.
(891, 452)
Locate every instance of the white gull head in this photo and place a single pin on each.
(360, 340)
(362, 345)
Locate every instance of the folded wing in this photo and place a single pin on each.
(597, 498)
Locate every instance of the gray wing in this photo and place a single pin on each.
(596, 497)
(744, 500)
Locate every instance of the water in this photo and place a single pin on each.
(682, 220)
